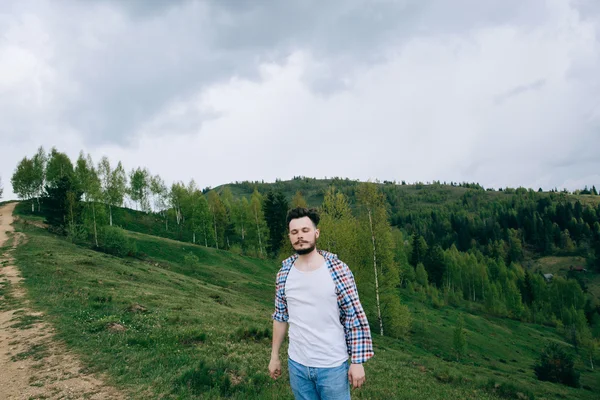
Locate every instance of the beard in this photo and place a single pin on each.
(306, 250)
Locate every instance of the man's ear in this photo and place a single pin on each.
(317, 233)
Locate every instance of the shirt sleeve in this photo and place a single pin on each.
(281, 310)
(356, 325)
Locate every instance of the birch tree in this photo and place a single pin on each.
(260, 227)
(39, 172)
(113, 185)
(23, 180)
(139, 188)
(58, 166)
(378, 231)
(90, 185)
(160, 195)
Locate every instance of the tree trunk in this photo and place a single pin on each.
(110, 213)
(95, 230)
(194, 237)
(258, 232)
(216, 236)
(32, 207)
(482, 289)
(376, 278)
(38, 201)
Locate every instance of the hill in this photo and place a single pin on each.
(181, 320)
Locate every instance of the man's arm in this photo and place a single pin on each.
(360, 344)
(279, 330)
(280, 318)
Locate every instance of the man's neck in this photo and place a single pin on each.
(311, 260)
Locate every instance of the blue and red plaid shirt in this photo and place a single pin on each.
(352, 315)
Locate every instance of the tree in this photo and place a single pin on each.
(515, 252)
(338, 227)
(219, 215)
(396, 316)
(256, 208)
(419, 250)
(556, 365)
(298, 201)
(113, 185)
(1, 188)
(160, 195)
(58, 166)
(90, 186)
(378, 231)
(203, 218)
(242, 219)
(421, 275)
(435, 265)
(275, 208)
(63, 204)
(460, 338)
(139, 187)
(23, 180)
(176, 200)
(195, 212)
(39, 174)
(228, 202)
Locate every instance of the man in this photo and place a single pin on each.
(317, 297)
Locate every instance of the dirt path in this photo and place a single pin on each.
(32, 364)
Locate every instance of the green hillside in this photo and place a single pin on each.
(181, 321)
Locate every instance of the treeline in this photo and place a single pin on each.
(79, 199)
(464, 252)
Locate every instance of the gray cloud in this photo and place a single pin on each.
(499, 92)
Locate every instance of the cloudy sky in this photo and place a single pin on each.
(501, 92)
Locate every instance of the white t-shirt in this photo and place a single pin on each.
(316, 334)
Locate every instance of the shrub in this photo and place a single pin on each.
(114, 241)
(191, 259)
(556, 365)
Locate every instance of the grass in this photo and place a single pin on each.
(156, 325)
(35, 352)
(498, 349)
(26, 321)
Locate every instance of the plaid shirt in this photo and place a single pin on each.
(352, 315)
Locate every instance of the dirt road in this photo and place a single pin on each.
(33, 365)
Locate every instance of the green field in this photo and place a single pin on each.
(162, 328)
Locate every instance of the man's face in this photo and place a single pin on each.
(303, 235)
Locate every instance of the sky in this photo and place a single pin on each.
(505, 93)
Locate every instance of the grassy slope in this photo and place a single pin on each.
(188, 341)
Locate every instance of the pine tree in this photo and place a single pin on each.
(419, 250)
(275, 208)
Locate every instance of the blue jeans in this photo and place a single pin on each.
(311, 383)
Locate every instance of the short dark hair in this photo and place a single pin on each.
(301, 212)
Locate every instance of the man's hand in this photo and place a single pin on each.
(275, 368)
(356, 375)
